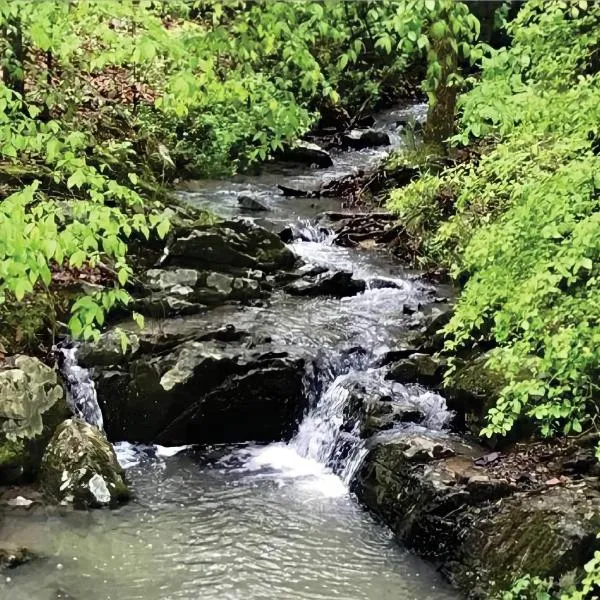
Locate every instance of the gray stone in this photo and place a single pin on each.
(32, 404)
(249, 201)
(231, 247)
(80, 467)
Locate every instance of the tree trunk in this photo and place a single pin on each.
(440, 116)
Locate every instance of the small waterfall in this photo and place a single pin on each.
(81, 391)
(309, 231)
(330, 433)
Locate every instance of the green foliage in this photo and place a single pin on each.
(526, 216)
(534, 588)
(103, 97)
(528, 588)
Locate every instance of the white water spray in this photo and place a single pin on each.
(81, 391)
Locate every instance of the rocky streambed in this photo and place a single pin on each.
(272, 386)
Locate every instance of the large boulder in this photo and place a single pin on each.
(232, 247)
(551, 532)
(222, 388)
(483, 529)
(80, 466)
(32, 404)
(179, 292)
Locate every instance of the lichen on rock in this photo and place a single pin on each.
(28, 389)
(80, 467)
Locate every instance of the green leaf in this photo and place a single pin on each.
(77, 179)
(163, 228)
(139, 319)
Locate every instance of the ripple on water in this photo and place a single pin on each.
(256, 523)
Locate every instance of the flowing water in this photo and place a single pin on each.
(254, 522)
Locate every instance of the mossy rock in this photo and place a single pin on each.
(12, 460)
(32, 405)
(80, 467)
(548, 533)
(473, 390)
(27, 324)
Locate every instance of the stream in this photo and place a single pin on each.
(258, 522)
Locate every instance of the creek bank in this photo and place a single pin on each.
(481, 528)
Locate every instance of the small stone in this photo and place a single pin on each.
(20, 501)
(553, 481)
(476, 479)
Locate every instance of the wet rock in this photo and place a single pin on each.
(544, 533)
(80, 466)
(416, 482)
(249, 201)
(380, 283)
(419, 368)
(476, 525)
(230, 247)
(11, 557)
(338, 284)
(304, 271)
(204, 391)
(32, 404)
(358, 139)
(432, 324)
(299, 192)
(180, 292)
(307, 153)
(379, 407)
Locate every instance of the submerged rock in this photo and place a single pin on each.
(332, 283)
(307, 153)
(80, 466)
(11, 557)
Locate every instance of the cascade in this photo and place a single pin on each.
(81, 391)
